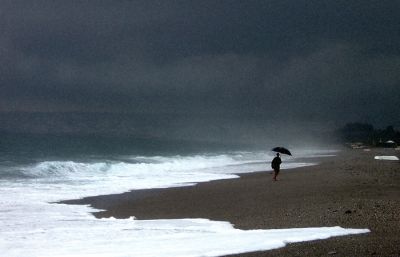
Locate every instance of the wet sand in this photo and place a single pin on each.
(351, 190)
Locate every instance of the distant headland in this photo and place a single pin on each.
(364, 134)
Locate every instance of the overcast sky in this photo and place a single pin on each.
(286, 59)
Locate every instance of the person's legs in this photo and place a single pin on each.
(276, 172)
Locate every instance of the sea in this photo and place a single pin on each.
(37, 172)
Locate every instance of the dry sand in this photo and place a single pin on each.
(351, 190)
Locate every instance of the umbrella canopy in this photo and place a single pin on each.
(281, 150)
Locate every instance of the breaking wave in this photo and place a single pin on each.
(133, 166)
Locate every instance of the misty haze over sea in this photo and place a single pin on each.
(235, 130)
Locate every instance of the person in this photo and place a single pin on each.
(276, 165)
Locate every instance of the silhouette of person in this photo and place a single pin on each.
(276, 165)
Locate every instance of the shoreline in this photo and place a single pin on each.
(351, 190)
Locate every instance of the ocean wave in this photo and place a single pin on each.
(64, 168)
(134, 165)
(143, 166)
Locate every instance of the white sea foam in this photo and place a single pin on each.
(30, 225)
(83, 235)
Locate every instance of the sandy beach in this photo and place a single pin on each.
(351, 190)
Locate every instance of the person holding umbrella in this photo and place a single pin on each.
(276, 165)
(276, 162)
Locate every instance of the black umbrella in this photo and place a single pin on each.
(282, 150)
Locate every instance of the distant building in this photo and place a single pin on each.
(388, 144)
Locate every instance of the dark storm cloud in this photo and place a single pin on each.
(298, 60)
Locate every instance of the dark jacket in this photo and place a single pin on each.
(276, 163)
